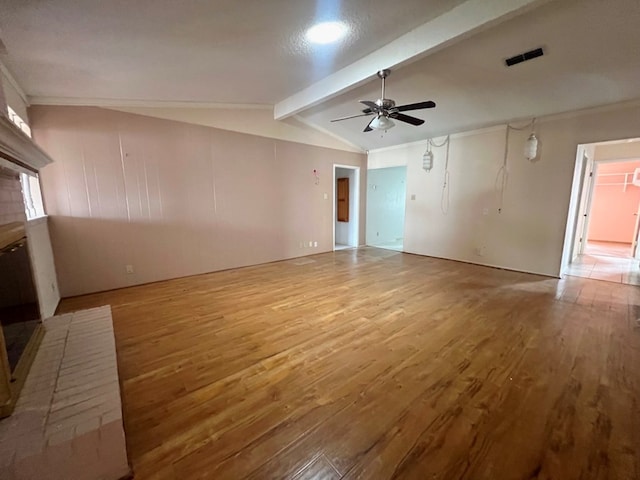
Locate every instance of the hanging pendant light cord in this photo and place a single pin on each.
(444, 199)
(502, 178)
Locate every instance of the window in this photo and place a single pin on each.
(19, 122)
(33, 205)
(31, 193)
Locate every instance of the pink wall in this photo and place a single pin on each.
(613, 210)
(175, 199)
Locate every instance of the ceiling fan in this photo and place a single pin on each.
(385, 110)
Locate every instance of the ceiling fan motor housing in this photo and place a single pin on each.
(385, 103)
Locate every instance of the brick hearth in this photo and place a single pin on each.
(68, 419)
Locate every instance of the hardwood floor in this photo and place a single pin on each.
(374, 364)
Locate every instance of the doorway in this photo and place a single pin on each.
(604, 243)
(346, 206)
(386, 200)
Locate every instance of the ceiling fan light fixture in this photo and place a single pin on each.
(327, 32)
(382, 123)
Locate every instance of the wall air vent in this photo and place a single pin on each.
(523, 57)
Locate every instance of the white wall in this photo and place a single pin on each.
(617, 151)
(44, 270)
(529, 233)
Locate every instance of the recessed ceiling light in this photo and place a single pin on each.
(327, 32)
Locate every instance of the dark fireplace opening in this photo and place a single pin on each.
(19, 313)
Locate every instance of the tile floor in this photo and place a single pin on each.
(611, 262)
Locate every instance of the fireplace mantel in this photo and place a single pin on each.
(18, 147)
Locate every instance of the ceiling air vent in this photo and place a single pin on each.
(523, 57)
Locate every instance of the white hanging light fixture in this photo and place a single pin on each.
(427, 159)
(531, 145)
(381, 123)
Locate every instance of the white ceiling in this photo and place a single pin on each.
(591, 58)
(226, 51)
(253, 52)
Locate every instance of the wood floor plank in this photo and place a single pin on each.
(373, 364)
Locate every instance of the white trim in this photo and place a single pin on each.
(458, 23)
(470, 262)
(618, 159)
(10, 78)
(315, 126)
(616, 142)
(15, 144)
(38, 220)
(13, 167)
(587, 111)
(468, 133)
(115, 102)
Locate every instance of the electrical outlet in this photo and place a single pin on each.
(129, 268)
(413, 197)
(485, 211)
(310, 243)
(326, 196)
(315, 244)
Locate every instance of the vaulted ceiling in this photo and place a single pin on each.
(254, 52)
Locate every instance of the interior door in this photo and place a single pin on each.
(582, 222)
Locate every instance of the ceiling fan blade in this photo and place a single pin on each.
(373, 106)
(406, 118)
(368, 127)
(415, 106)
(352, 116)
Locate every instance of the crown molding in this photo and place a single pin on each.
(467, 133)
(126, 103)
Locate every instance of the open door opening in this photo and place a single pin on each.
(386, 202)
(603, 243)
(346, 206)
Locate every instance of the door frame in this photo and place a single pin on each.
(354, 210)
(576, 205)
(590, 185)
(584, 181)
